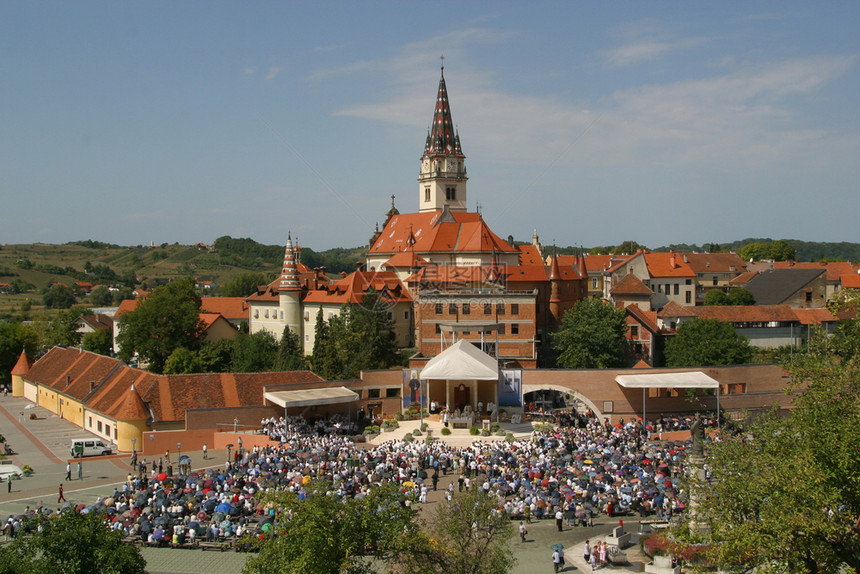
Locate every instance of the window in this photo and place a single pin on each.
(392, 393)
(500, 308)
(716, 281)
(452, 308)
(515, 308)
(307, 337)
(91, 422)
(438, 308)
(688, 297)
(256, 313)
(451, 194)
(677, 288)
(466, 308)
(438, 329)
(634, 331)
(267, 314)
(99, 426)
(372, 393)
(488, 308)
(688, 282)
(426, 194)
(307, 316)
(808, 296)
(406, 314)
(107, 430)
(282, 315)
(594, 284)
(501, 329)
(390, 316)
(515, 329)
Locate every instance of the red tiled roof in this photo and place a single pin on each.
(714, 262)
(641, 364)
(672, 309)
(851, 281)
(353, 288)
(744, 278)
(132, 407)
(815, 316)
(467, 233)
(125, 306)
(669, 264)
(647, 319)
(747, 313)
(231, 308)
(98, 321)
(630, 285)
(835, 269)
(530, 255)
(22, 367)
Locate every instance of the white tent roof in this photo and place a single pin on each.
(462, 361)
(688, 380)
(311, 397)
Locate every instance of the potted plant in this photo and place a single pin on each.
(27, 470)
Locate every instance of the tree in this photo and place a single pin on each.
(591, 336)
(216, 356)
(182, 361)
(63, 329)
(167, 319)
(782, 251)
(99, 342)
(254, 353)
(15, 337)
(290, 356)
(471, 536)
(70, 543)
(716, 297)
(785, 494)
(58, 296)
(359, 337)
(243, 284)
(101, 296)
(707, 342)
(326, 534)
(741, 296)
(628, 247)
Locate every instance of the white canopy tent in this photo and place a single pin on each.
(311, 397)
(683, 380)
(462, 360)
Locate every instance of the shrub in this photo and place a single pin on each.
(429, 439)
(416, 432)
(424, 426)
(485, 432)
(408, 437)
(446, 431)
(510, 437)
(500, 432)
(474, 431)
(398, 416)
(495, 426)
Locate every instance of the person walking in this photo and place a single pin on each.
(68, 471)
(559, 519)
(556, 560)
(80, 472)
(523, 531)
(9, 484)
(586, 552)
(60, 498)
(205, 452)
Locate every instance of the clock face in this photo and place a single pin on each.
(452, 165)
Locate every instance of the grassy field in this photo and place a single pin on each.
(147, 263)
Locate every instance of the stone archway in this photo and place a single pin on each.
(568, 391)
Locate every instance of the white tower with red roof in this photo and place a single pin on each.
(290, 292)
(442, 179)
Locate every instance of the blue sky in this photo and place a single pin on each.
(594, 122)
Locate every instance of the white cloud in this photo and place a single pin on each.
(273, 72)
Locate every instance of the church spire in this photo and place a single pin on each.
(443, 139)
(290, 272)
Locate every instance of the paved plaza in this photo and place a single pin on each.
(43, 443)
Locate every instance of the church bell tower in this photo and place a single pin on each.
(442, 178)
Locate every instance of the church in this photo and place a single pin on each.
(442, 275)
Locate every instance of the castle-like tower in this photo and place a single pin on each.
(442, 179)
(290, 292)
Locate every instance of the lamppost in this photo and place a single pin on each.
(179, 456)
(133, 454)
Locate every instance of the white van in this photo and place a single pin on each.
(89, 447)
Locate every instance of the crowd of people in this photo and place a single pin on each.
(580, 469)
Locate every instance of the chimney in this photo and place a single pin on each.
(68, 380)
(92, 385)
(672, 263)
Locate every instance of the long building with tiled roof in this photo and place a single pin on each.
(108, 398)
